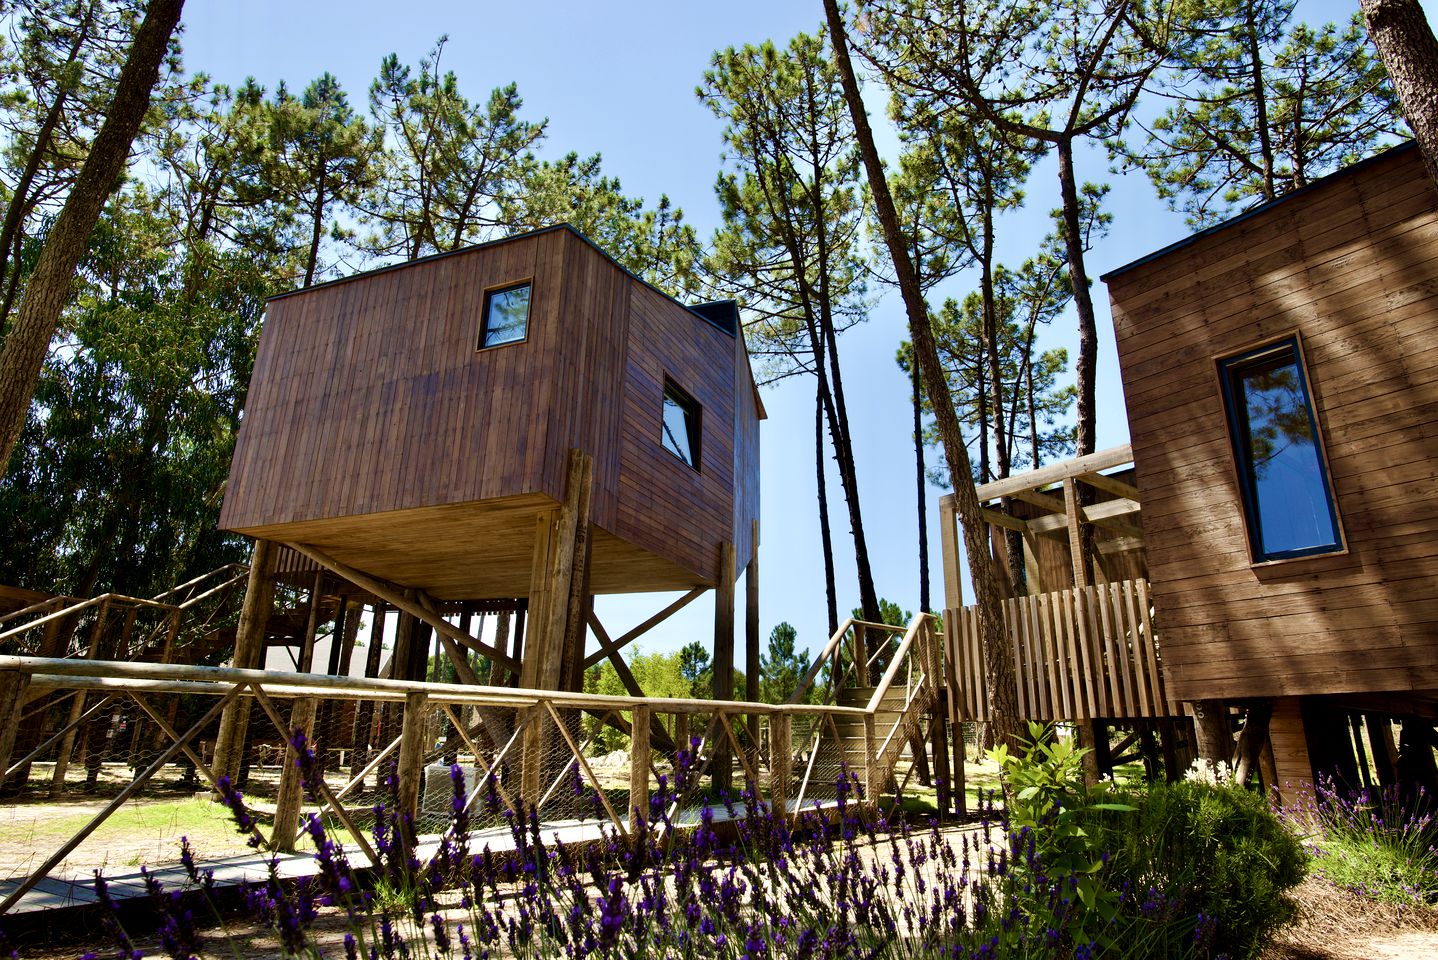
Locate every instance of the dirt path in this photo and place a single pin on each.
(1335, 925)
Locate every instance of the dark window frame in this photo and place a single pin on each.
(1230, 370)
(489, 294)
(693, 421)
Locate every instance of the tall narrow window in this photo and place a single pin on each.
(1287, 496)
(679, 425)
(506, 315)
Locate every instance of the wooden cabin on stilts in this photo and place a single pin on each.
(506, 431)
(1257, 572)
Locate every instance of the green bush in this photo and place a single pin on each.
(1215, 852)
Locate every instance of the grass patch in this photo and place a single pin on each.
(139, 832)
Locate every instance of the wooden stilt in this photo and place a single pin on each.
(414, 739)
(751, 630)
(291, 793)
(781, 761)
(558, 603)
(639, 766)
(77, 708)
(249, 651)
(1383, 748)
(364, 712)
(13, 684)
(723, 657)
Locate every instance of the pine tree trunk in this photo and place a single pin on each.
(998, 661)
(825, 536)
(1409, 51)
(50, 286)
(918, 388)
(1087, 366)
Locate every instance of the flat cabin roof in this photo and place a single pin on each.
(1257, 210)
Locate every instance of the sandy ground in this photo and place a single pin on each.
(1335, 925)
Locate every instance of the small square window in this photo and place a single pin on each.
(1287, 496)
(506, 315)
(679, 425)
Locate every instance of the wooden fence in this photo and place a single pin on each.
(1078, 654)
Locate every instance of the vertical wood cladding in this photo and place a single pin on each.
(369, 397)
(1351, 266)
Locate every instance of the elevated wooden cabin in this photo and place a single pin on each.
(385, 429)
(1281, 377)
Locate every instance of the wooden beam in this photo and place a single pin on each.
(627, 638)
(999, 519)
(394, 596)
(1109, 485)
(1106, 514)
(1055, 473)
(611, 649)
(1120, 545)
(1045, 500)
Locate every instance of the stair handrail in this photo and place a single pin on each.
(230, 568)
(910, 637)
(830, 649)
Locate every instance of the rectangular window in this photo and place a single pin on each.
(1287, 496)
(506, 315)
(679, 424)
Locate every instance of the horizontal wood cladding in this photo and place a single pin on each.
(1351, 266)
(665, 505)
(377, 430)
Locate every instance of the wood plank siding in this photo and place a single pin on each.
(1350, 265)
(375, 430)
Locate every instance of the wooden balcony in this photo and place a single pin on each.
(1079, 654)
(1081, 625)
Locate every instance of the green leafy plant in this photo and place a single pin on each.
(1048, 798)
(1210, 854)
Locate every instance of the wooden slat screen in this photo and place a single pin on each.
(1078, 655)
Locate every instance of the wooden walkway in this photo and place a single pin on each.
(53, 893)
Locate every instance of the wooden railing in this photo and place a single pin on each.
(1078, 654)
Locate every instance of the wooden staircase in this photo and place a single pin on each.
(863, 745)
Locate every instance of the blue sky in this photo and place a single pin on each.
(619, 79)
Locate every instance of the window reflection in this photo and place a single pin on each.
(679, 425)
(506, 316)
(1286, 489)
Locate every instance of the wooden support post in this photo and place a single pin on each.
(13, 684)
(873, 775)
(1384, 749)
(557, 581)
(751, 634)
(639, 765)
(1252, 738)
(781, 761)
(341, 641)
(723, 688)
(1212, 730)
(364, 710)
(501, 642)
(249, 651)
(306, 659)
(291, 793)
(414, 739)
(949, 545)
(939, 738)
(77, 707)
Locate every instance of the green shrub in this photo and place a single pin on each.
(1214, 852)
